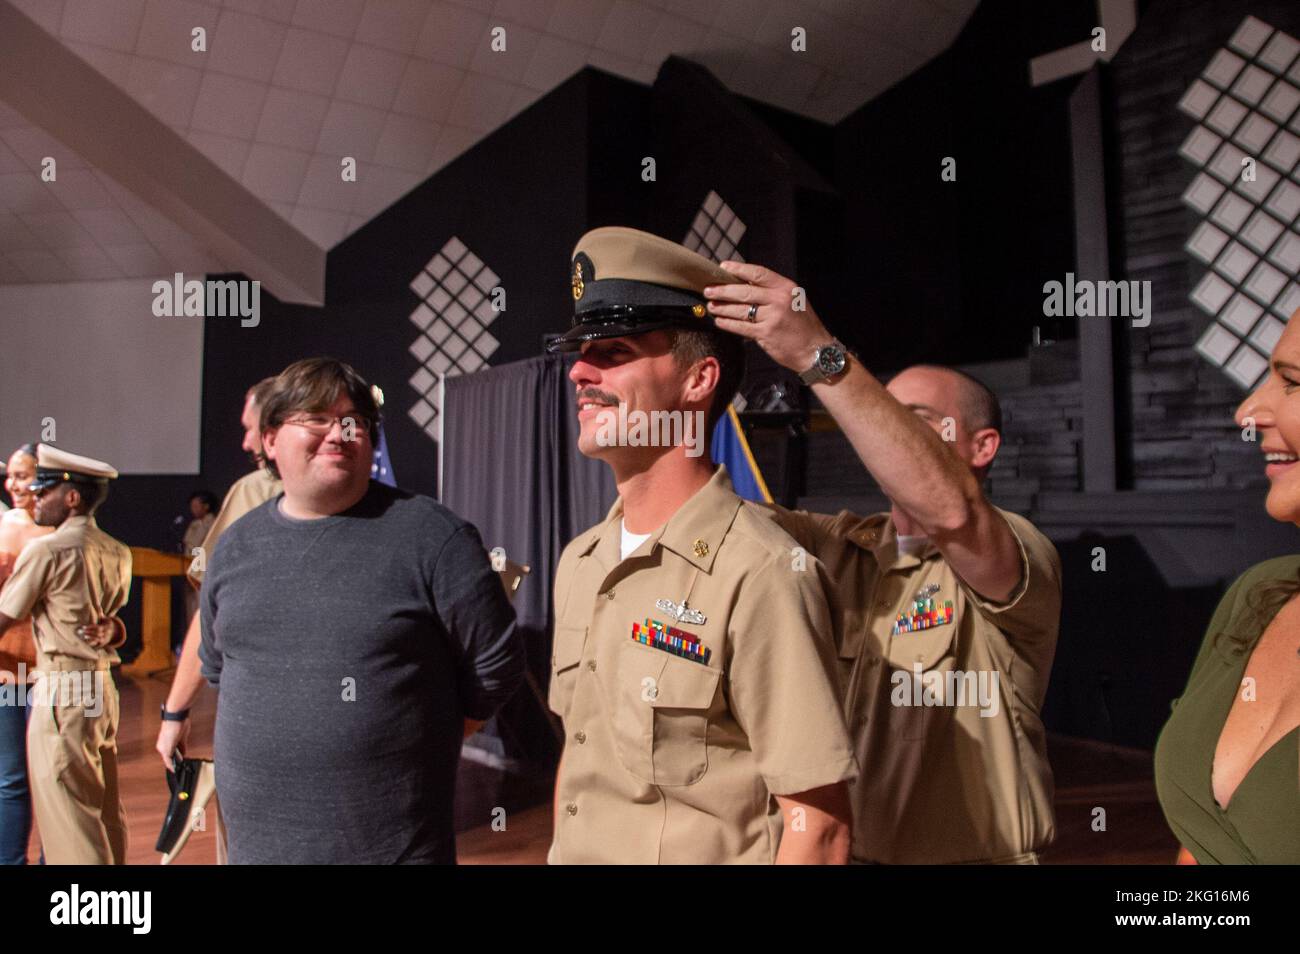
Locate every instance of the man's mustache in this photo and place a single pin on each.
(601, 397)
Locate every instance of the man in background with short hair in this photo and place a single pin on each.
(251, 490)
(947, 608)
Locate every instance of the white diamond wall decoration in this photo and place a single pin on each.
(715, 231)
(1254, 133)
(1266, 334)
(1280, 52)
(1241, 314)
(1261, 231)
(423, 381)
(1226, 165)
(422, 283)
(1283, 152)
(1200, 146)
(1250, 36)
(1203, 193)
(455, 287)
(1280, 101)
(1207, 242)
(1223, 69)
(1246, 110)
(1288, 303)
(1231, 213)
(1286, 253)
(422, 347)
(1252, 84)
(1258, 188)
(1264, 283)
(1198, 99)
(1211, 293)
(1216, 344)
(1285, 201)
(1235, 263)
(1246, 366)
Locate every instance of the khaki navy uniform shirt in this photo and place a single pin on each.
(964, 778)
(250, 491)
(669, 757)
(71, 577)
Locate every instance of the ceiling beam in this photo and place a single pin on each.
(65, 96)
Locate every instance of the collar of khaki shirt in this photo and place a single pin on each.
(878, 535)
(694, 532)
(78, 520)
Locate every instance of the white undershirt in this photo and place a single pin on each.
(912, 544)
(630, 540)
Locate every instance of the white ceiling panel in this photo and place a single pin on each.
(286, 88)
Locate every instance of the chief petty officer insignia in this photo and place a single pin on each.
(670, 639)
(924, 612)
(582, 269)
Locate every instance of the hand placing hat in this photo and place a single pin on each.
(763, 310)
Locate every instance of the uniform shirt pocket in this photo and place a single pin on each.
(661, 715)
(911, 656)
(566, 654)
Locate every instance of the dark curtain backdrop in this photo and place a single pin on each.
(512, 468)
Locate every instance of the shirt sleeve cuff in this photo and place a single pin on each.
(993, 606)
(805, 780)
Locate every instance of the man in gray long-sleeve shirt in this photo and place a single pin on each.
(356, 632)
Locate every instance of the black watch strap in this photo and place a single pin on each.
(174, 716)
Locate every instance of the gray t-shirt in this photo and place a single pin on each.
(348, 651)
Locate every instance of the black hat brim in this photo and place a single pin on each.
(627, 321)
(46, 481)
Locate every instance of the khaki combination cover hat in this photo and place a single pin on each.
(54, 467)
(628, 282)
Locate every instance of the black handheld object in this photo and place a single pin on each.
(182, 779)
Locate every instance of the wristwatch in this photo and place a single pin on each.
(828, 361)
(174, 716)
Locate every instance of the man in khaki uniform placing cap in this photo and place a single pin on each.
(946, 608)
(701, 719)
(73, 576)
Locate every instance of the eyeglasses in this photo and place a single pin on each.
(321, 424)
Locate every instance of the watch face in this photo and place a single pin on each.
(830, 360)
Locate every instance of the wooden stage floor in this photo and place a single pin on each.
(1088, 775)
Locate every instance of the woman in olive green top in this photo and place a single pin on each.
(1261, 823)
(1227, 765)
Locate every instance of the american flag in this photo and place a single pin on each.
(381, 468)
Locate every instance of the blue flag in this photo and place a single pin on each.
(381, 468)
(730, 449)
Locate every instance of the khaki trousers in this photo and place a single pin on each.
(72, 764)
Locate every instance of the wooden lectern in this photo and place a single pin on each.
(156, 570)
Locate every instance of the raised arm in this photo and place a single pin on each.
(906, 456)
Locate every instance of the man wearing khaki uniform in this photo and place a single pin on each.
(946, 608)
(699, 702)
(73, 576)
(246, 494)
(964, 778)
